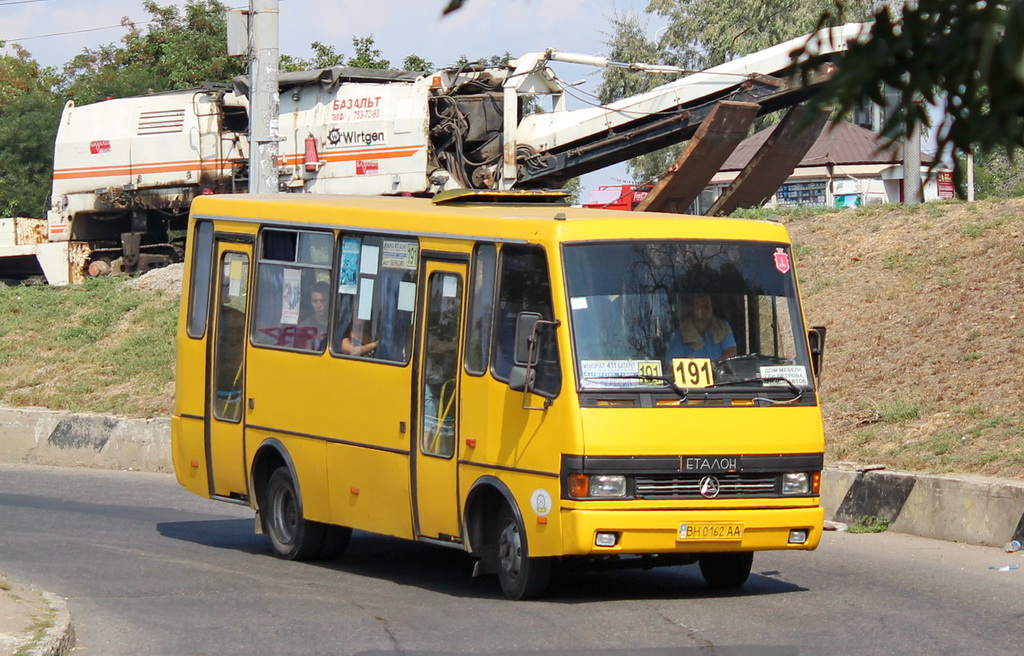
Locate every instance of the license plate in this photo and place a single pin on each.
(710, 531)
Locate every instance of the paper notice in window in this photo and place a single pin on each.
(406, 296)
(365, 310)
(450, 287)
(291, 296)
(368, 261)
(235, 279)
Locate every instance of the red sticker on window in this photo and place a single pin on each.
(781, 260)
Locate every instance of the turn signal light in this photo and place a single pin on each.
(579, 485)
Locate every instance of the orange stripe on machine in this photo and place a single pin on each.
(142, 169)
(354, 155)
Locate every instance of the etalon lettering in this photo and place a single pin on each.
(720, 463)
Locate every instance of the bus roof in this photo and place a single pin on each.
(499, 222)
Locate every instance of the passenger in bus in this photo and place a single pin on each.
(356, 341)
(312, 329)
(699, 333)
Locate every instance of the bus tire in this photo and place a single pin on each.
(291, 536)
(521, 576)
(726, 570)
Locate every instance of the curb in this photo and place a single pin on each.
(36, 436)
(958, 508)
(59, 638)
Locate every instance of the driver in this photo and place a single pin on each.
(699, 333)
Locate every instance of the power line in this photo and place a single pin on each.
(44, 36)
(4, 3)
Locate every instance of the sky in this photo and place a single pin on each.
(400, 27)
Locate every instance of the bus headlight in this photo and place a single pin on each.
(796, 483)
(605, 486)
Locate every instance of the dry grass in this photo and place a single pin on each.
(925, 310)
(102, 347)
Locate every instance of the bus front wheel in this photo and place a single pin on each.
(726, 570)
(521, 576)
(291, 535)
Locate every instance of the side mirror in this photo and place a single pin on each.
(521, 379)
(526, 323)
(816, 338)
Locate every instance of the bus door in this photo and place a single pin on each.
(225, 384)
(435, 457)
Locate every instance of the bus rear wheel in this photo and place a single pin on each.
(292, 536)
(726, 570)
(521, 576)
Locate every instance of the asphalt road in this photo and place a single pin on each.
(149, 569)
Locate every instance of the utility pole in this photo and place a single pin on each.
(264, 101)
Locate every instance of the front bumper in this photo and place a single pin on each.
(657, 531)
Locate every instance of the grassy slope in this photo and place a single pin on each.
(924, 357)
(924, 360)
(102, 347)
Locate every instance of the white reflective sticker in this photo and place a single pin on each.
(540, 501)
(795, 374)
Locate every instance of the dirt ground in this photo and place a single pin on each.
(924, 357)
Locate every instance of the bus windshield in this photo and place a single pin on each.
(686, 314)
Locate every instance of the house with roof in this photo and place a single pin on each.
(847, 166)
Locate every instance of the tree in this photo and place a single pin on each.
(324, 56)
(366, 56)
(417, 63)
(966, 51)
(20, 74)
(182, 47)
(998, 175)
(28, 126)
(629, 43)
(706, 33)
(29, 113)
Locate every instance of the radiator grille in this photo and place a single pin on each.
(731, 486)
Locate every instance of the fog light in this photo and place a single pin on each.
(607, 539)
(798, 536)
(795, 483)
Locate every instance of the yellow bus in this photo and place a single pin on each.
(524, 381)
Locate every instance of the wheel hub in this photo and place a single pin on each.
(510, 549)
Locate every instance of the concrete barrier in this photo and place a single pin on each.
(50, 437)
(960, 508)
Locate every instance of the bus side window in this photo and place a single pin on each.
(524, 285)
(375, 298)
(293, 269)
(481, 306)
(199, 286)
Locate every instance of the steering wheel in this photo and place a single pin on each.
(731, 366)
